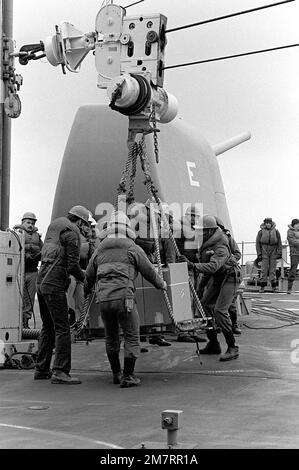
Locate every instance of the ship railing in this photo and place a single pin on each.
(248, 255)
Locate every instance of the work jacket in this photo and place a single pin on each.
(293, 239)
(115, 265)
(60, 257)
(33, 247)
(232, 267)
(268, 240)
(233, 246)
(216, 258)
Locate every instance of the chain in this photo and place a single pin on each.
(192, 288)
(152, 191)
(158, 258)
(82, 320)
(133, 149)
(155, 132)
(131, 197)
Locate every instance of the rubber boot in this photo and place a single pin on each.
(236, 329)
(186, 338)
(274, 286)
(213, 345)
(262, 289)
(128, 378)
(232, 351)
(115, 367)
(290, 285)
(233, 319)
(230, 354)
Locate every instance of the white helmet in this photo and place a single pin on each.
(29, 215)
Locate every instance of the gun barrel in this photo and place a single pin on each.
(231, 143)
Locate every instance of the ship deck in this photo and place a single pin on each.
(250, 403)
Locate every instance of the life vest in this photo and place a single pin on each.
(268, 237)
(33, 245)
(115, 272)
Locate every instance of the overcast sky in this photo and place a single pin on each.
(257, 93)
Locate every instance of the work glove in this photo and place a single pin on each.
(260, 257)
(182, 259)
(165, 286)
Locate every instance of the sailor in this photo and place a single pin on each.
(235, 251)
(75, 292)
(114, 267)
(188, 246)
(293, 239)
(60, 259)
(94, 235)
(268, 249)
(216, 261)
(33, 246)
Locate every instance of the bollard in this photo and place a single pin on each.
(172, 421)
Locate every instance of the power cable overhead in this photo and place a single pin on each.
(132, 4)
(231, 15)
(229, 57)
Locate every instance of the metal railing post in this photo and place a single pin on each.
(242, 255)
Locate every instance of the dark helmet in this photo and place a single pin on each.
(207, 221)
(219, 222)
(80, 212)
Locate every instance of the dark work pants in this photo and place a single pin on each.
(293, 269)
(269, 254)
(233, 310)
(115, 315)
(216, 301)
(29, 291)
(55, 333)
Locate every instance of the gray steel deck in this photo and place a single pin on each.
(251, 402)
